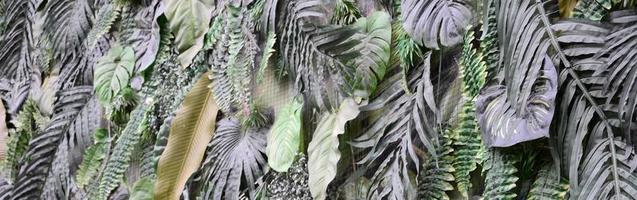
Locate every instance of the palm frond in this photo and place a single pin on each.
(17, 47)
(77, 18)
(73, 105)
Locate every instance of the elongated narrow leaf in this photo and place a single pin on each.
(113, 72)
(323, 149)
(190, 132)
(16, 45)
(285, 136)
(4, 132)
(189, 21)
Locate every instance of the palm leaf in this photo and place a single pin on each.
(77, 19)
(323, 148)
(189, 22)
(190, 131)
(16, 50)
(73, 105)
(438, 23)
(235, 157)
(284, 139)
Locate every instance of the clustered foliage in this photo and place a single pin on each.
(318, 99)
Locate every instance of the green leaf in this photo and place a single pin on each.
(323, 149)
(285, 136)
(92, 159)
(500, 174)
(467, 143)
(113, 72)
(437, 175)
(374, 34)
(189, 21)
(142, 190)
(190, 132)
(265, 58)
(548, 185)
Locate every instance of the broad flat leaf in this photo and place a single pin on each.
(189, 21)
(140, 30)
(323, 149)
(190, 132)
(113, 72)
(436, 23)
(285, 136)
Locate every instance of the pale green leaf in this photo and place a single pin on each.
(285, 136)
(113, 72)
(189, 21)
(323, 149)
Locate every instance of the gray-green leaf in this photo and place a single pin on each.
(189, 21)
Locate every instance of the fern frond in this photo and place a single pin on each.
(472, 67)
(489, 44)
(437, 175)
(119, 159)
(345, 12)
(92, 158)
(500, 178)
(29, 122)
(467, 143)
(106, 16)
(548, 185)
(265, 58)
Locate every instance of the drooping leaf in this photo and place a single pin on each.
(113, 72)
(140, 31)
(189, 22)
(234, 160)
(17, 47)
(436, 23)
(323, 153)
(69, 22)
(191, 130)
(284, 139)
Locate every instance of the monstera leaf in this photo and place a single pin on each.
(113, 72)
(285, 136)
(519, 105)
(323, 149)
(189, 21)
(436, 23)
(502, 125)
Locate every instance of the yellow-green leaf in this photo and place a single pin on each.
(189, 134)
(285, 136)
(113, 72)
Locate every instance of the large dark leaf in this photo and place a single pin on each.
(42, 149)
(436, 23)
(234, 161)
(519, 105)
(17, 47)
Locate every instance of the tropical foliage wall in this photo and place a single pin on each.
(318, 99)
